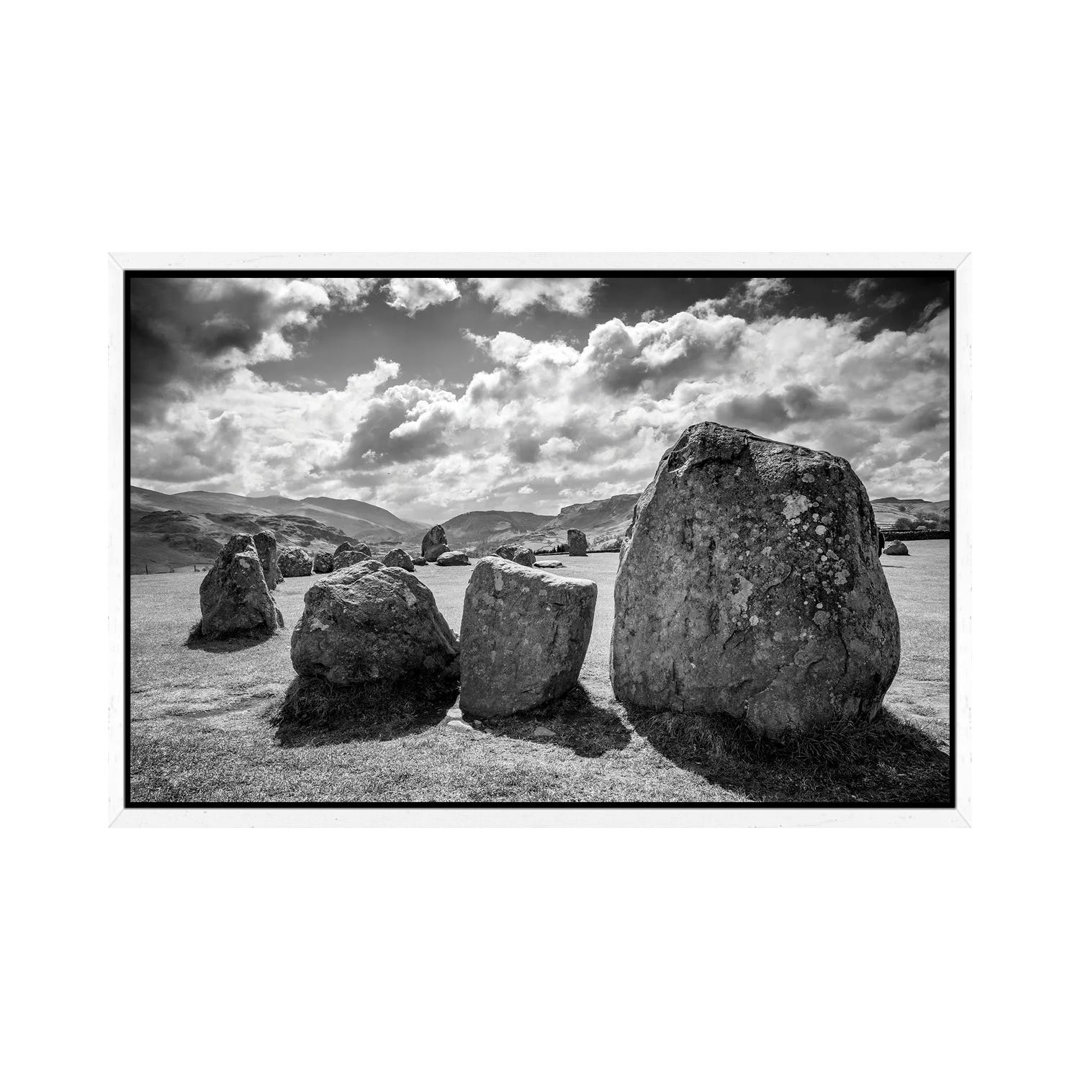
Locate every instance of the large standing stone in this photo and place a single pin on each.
(434, 543)
(363, 626)
(577, 543)
(523, 555)
(398, 557)
(295, 562)
(750, 587)
(266, 546)
(234, 596)
(524, 635)
(323, 562)
(452, 558)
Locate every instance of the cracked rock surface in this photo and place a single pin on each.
(524, 635)
(234, 597)
(750, 587)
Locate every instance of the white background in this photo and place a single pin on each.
(554, 127)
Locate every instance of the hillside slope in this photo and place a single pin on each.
(160, 539)
(356, 519)
(490, 527)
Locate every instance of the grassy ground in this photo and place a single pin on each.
(230, 723)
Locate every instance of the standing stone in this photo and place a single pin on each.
(897, 547)
(452, 558)
(524, 635)
(323, 562)
(434, 543)
(353, 545)
(523, 555)
(295, 562)
(398, 557)
(750, 587)
(365, 626)
(234, 596)
(349, 557)
(577, 543)
(266, 546)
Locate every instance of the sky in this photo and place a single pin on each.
(431, 396)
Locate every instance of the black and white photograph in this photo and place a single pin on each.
(617, 539)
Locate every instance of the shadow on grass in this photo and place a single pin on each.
(574, 721)
(315, 713)
(885, 761)
(236, 643)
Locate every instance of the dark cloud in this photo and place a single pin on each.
(771, 412)
(926, 417)
(407, 424)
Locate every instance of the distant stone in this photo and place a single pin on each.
(434, 543)
(452, 558)
(352, 545)
(750, 588)
(577, 543)
(381, 625)
(523, 555)
(234, 596)
(524, 635)
(266, 546)
(897, 547)
(547, 564)
(349, 557)
(398, 557)
(295, 562)
(323, 563)
(418, 560)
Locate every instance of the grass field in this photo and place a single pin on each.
(229, 723)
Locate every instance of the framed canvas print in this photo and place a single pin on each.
(539, 539)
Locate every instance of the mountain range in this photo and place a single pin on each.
(188, 528)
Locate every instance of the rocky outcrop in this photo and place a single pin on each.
(433, 544)
(897, 547)
(266, 546)
(523, 555)
(234, 597)
(547, 564)
(295, 562)
(577, 543)
(452, 558)
(398, 557)
(524, 635)
(750, 588)
(381, 625)
(323, 563)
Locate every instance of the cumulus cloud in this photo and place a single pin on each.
(414, 294)
(512, 296)
(545, 422)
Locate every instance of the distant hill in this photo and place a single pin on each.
(490, 527)
(356, 519)
(888, 510)
(600, 520)
(160, 539)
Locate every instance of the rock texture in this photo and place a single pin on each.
(323, 563)
(266, 546)
(398, 557)
(523, 555)
(750, 587)
(524, 635)
(234, 596)
(363, 625)
(295, 562)
(353, 545)
(548, 564)
(434, 543)
(577, 543)
(897, 547)
(452, 558)
(418, 560)
(349, 557)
